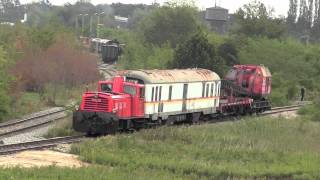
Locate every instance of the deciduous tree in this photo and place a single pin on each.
(254, 19)
(171, 24)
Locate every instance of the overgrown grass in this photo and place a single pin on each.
(251, 148)
(311, 112)
(61, 128)
(27, 103)
(30, 102)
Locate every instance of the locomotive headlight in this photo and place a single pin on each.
(114, 110)
(76, 107)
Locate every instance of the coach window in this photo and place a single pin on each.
(211, 91)
(170, 93)
(203, 89)
(156, 99)
(152, 94)
(160, 92)
(207, 92)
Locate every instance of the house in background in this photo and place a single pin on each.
(121, 22)
(217, 19)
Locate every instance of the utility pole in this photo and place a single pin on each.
(90, 25)
(98, 23)
(82, 29)
(77, 23)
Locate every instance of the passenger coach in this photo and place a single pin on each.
(174, 94)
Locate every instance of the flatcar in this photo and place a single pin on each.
(111, 51)
(143, 98)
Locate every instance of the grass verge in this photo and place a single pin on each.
(61, 128)
(254, 148)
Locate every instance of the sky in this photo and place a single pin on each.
(280, 6)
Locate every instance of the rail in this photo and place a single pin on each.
(39, 144)
(36, 120)
(277, 110)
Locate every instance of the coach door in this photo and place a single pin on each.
(184, 98)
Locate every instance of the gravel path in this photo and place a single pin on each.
(35, 134)
(32, 135)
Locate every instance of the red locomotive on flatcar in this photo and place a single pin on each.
(150, 97)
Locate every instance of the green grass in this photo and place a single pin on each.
(26, 104)
(30, 102)
(311, 112)
(61, 128)
(250, 148)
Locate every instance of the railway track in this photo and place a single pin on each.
(107, 70)
(33, 121)
(40, 144)
(278, 110)
(52, 142)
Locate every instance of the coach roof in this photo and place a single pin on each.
(172, 76)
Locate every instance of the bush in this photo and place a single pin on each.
(311, 112)
(59, 65)
(4, 85)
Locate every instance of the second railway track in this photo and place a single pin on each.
(36, 120)
(39, 144)
(278, 110)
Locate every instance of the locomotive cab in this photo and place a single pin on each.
(110, 107)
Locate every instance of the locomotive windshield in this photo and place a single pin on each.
(106, 87)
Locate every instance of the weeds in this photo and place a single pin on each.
(254, 148)
(61, 128)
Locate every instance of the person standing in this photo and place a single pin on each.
(302, 93)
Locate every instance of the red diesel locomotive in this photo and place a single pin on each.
(144, 98)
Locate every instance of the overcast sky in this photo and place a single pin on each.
(280, 6)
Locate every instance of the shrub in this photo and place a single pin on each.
(59, 65)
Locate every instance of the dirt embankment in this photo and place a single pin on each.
(40, 159)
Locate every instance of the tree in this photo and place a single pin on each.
(254, 19)
(197, 52)
(60, 65)
(170, 24)
(229, 52)
(292, 15)
(303, 24)
(4, 85)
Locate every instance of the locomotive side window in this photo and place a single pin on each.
(152, 94)
(170, 93)
(130, 90)
(142, 92)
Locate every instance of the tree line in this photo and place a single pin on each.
(304, 19)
